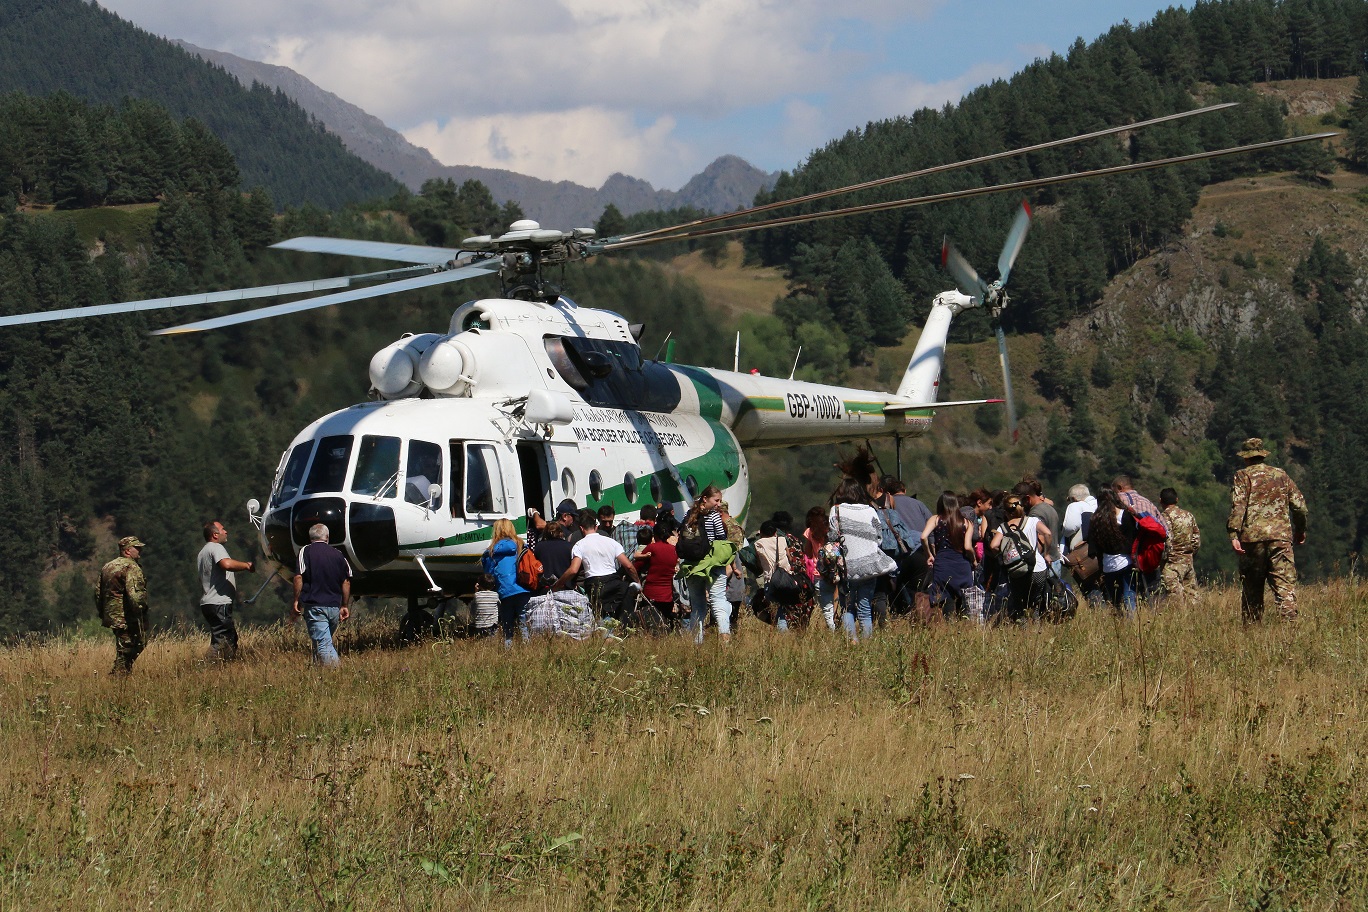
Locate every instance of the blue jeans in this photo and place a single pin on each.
(322, 621)
(705, 593)
(859, 608)
(826, 600)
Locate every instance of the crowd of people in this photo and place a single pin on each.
(875, 551)
(872, 552)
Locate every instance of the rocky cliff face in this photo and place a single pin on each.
(726, 184)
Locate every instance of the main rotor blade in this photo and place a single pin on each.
(375, 250)
(1007, 383)
(1016, 236)
(1018, 186)
(188, 300)
(965, 275)
(452, 275)
(936, 169)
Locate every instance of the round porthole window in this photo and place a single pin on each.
(692, 484)
(596, 485)
(629, 484)
(568, 483)
(655, 489)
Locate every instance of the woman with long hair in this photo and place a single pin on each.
(707, 575)
(500, 560)
(824, 579)
(1111, 538)
(860, 532)
(949, 541)
(1026, 591)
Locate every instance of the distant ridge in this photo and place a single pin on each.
(47, 46)
(726, 184)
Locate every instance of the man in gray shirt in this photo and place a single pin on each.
(216, 571)
(1043, 510)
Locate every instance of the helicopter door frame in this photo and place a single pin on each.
(535, 476)
(503, 500)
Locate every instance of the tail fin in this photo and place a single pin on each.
(921, 381)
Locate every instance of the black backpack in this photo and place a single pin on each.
(693, 544)
(1016, 554)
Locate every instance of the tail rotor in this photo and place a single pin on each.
(992, 295)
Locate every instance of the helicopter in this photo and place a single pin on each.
(528, 399)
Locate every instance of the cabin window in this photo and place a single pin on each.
(596, 485)
(424, 469)
(655, 489)
(329, 468)
(377, 467)
(629, 484)
(288, 486)
(568, 484)
(692, 484)
(484, 492)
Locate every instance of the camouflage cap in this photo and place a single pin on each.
(130, 541)
(1252, 447)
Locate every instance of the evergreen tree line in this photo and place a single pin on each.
(59, 150)
(50, 46)
(1085, 232)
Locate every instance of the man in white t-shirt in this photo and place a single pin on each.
(600, 557)
(216, 571)
(1081, 503)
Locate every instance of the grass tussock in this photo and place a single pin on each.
(1175, 762)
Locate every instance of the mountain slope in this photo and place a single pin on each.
(48, 46)
(726, 184)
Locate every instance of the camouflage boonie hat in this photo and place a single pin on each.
(130, 541)
(1252, 447)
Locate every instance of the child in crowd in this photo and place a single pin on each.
(486, 605)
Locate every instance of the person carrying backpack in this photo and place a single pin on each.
(704, 553)
(1019, 544)
(500, 560)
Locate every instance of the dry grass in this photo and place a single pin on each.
(730, 286)
(1178, 762)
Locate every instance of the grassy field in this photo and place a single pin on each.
(1175, 762)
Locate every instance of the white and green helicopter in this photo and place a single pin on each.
(528, 399)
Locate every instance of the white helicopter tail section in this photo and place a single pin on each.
(921, 382)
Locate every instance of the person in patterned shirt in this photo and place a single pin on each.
(122, 602)
(1267, 517)
(1179, 579)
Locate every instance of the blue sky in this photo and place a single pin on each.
(578, 89)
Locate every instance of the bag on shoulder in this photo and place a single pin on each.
(693, 543)
(748, 558)
(530, 569)
(1016, 555)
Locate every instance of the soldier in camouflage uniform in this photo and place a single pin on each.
(1267, 515)
(1179, 579)
(122, 602)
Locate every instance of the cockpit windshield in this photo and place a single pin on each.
(377, 467)
(288, 485)
(329, 469)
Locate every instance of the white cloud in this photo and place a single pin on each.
(584, 145)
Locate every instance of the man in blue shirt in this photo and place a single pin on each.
(322, 589)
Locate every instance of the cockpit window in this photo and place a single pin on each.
(423, 471)
(288, 486)
(377, 467)
(484, 491)
(329, 468)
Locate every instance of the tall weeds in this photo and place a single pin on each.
(1174, 761)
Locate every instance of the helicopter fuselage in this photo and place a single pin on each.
(521, 406)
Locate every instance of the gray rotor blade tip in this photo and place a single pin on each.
(964, 274)
(1015, 238)
(1007, 383)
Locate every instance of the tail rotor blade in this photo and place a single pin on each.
(965, 276)
(1007, 383)
(1015, 238)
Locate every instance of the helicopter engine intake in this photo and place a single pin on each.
(394, 368)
